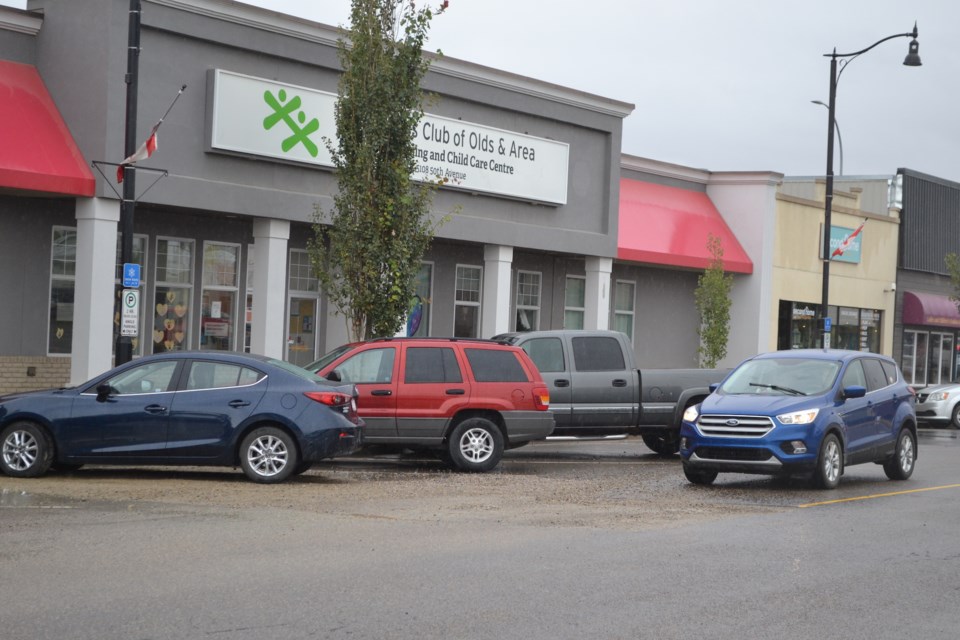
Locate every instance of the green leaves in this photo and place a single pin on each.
(712, 298)
(380, 225)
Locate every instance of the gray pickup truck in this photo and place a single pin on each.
(597, 390)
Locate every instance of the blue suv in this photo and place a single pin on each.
(805, 411)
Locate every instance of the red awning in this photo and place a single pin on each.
(929, 309)
(37, 152)
(671, 226)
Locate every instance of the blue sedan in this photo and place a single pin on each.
(268, 417)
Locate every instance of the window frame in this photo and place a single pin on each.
(632, 313)
(468, 303)
(71, 279)
(168, 284)
(535, 326)
(568, 309)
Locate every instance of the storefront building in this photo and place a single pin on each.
(222, 238)
(927, 330)
(548, 223)
(862, 278)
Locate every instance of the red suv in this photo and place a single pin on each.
(469, 399)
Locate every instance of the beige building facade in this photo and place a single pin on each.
(862, 280)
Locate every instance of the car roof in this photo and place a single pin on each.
(821, 354)
(223, 356)
(435, 339)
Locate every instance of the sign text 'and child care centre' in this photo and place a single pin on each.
(265, 118)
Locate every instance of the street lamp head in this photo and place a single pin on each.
(913, 54)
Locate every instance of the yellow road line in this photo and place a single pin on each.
(877, 495)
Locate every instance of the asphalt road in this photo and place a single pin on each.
(570, 540)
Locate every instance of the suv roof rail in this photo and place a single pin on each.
(438, 339)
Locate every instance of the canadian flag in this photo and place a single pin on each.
(142, 153)
(846, 242)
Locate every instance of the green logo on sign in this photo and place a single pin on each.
(281, 112)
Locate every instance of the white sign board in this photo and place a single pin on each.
(265, 118)
(129, 312)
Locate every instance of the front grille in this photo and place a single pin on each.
(733, 453)
(922, 397)
(735, 426)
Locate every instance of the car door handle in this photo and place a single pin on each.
(155, 408)
(619, 382)
(238, 403)
(381, 392)
(561, 383)
(455, 392)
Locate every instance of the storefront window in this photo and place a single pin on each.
(799, 327)
(466, 312)
(63, 269)
(846, 331)
(174, 292)
(424, 292)
(221, 272)
(574, 302)
(928, 357)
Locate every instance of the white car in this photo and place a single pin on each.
(939, 405)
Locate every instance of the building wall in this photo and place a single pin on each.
(797, 268)
(930, 231)
(747, 202)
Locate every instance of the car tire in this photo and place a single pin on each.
(664, 445)
(955, 417)
(268, 455)
(302, 468)
(900, 466)
(829, 463)
(25, 450)
(475, 444)
(699, 476)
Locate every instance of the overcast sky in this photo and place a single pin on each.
(727, 86)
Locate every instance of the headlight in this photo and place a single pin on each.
(690, 415)
(799, 417)
(938, 396)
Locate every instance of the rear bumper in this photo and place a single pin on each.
(331, 443)
(523, 426)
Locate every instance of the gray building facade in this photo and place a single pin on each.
(221, 237)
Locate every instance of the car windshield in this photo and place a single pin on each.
(319, 365)
(783, 376)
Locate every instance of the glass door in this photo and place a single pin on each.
(301, 331)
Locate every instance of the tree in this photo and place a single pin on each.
(713, 306)
(368, 256)
(952, 261)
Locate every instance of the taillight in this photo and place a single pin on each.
(329, 398)
(541, 398)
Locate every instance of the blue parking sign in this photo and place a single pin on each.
(131, 275)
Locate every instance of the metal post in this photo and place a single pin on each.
(828, 200)
(124, 347)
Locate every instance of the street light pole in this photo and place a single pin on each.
(912, 60)
(839, 137)
(124, 346)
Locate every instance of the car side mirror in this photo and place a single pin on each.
(714, 386)
(854, 391)
(333, 376)
(104, 391)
